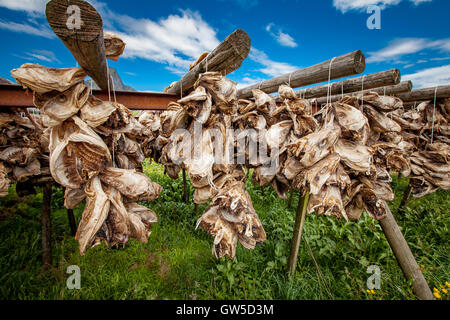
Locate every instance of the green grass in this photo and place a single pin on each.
(177, 262)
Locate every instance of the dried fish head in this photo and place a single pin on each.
(4, 181)
(198, 105)
(134, 185)
(60, 106)
(356, 156)
(94, 214)
(264, 103)
(42, 80)
(286, 92)
(114, 46)
(316, 176)
(96, 112)
(73, 198)
(314, 147)
(76, 152)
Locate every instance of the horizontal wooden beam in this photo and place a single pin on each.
(425, 94)
(347, 65)
(368, 81)
(404, 86)
(14, 96)
(85, 41)
(226, 58)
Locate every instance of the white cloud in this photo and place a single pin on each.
(177, 40)
(430, 77)
(282, 38)
(41, 31)
(270, 67)
(405, 46)
(361, 5)
(43, 55)
(417, 2)
(29, 6)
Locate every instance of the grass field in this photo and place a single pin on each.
(177, 262)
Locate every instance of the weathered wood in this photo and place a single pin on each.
(405, 257)
(86, 43)
(406, 197)
(226, 58)
(404, 86)
(369, 81)
(425, 94)
(46, 227)
(347, 65)
(298, 229)
(72, 223)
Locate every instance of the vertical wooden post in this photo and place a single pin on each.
(46, 226)
(196, 209)
(72, 223)
(406, 197)
(405, 257)
(298, 229)
(263, 193)
(185, 194)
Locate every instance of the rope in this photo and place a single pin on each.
(114, 90)
(207, 63)
(290, 75)
(434, 115)
(362, 92)
(342, 89)
(385, 91)
(329, 79)
(181, 90)
(107, 75)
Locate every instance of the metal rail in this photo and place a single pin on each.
(14, 96)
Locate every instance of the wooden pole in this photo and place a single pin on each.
(405, 257)
(225, 58)
(425, 94)
(368, 81)
(404, 86)
(406, 197)
(185, 194)
(347, 65)
(72, 223)
(46, 227)
(85, 40)
(263, 192)
(298, 229)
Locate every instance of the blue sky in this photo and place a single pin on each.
(163, 37)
